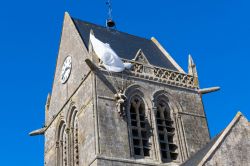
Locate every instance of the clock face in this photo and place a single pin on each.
(66, 69)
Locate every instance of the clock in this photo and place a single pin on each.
(66, 69)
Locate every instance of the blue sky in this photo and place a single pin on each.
(216, 33)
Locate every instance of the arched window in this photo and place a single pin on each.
(62, 145)
(73, 137)
(166, 130)
(139, 127)
(67, 140)
(75, 143)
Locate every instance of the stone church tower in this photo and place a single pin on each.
(149, 115)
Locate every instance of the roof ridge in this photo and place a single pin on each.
(114, 30)
(167, 55)
(221, 138)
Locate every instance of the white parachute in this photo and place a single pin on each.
(111, 61)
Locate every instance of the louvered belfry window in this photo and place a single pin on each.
(166, 131)
(139, 127)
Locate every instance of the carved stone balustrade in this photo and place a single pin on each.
(162, 75)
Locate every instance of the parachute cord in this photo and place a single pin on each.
(122, 82)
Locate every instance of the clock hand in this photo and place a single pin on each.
(67, 68)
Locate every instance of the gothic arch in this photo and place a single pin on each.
(176, 142)
(72, 124)
(71, 114)
(135, 88)
(139, 123)
(60, 124)
(61, 143)
(174, 105)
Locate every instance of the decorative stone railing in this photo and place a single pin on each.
(162, 75)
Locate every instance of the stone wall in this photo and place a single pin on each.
(234, 150)
(191, 125)
(70, 45)
(83, 101)
(77, 92)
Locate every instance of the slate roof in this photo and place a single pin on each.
(125, 45)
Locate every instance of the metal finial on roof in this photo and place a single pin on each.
(109, 22)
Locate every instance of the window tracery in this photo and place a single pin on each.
(165, 130)
(139, 127)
